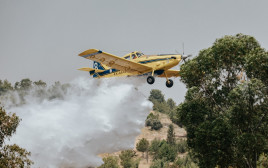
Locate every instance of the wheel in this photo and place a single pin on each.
(150, 80)
(169, 83)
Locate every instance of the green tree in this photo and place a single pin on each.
(24, 84)
(160, 163)
(167, 152)
(142, 145)
(162, 150)
(11, 155)
(5, 87)
(220, 109)
(154, 148)
(156, 96)
(171, 104)
(110, 162)
(40, 83)
(171, 135)
(153, 121)
(127, 159)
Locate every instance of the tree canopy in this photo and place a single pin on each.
(11, 155)
(226, 105)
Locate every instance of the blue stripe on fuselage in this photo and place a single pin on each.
(154, 60)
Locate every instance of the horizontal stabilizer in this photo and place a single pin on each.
(90, 69)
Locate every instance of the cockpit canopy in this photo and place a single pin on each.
(133, 55)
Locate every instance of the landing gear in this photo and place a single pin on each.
(150, 80)
(169, 83)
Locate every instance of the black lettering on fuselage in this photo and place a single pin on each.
(119, 72)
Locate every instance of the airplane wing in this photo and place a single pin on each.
(115, 61)
(171, 73)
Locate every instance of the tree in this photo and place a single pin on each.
(171, 135)
(153, 121)
(5, 87)
(162, 150)
(171, 104)
(225, 107)
(167, 152)
(110, 162)
(156, 96)
(24, 84)
(11, 155)
(40, 83)
(142, 145)
(154, 148)
(127, 159)
(160, 163)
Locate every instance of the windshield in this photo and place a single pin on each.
(139, 54)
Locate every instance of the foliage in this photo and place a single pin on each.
(110, 162)
(220, 109)
(256, 65)
(8, 125)
(167, 151)
(171, 104)
(160, 104)
(11, 155)
(156, 125)
(171, 135)
(153, 121)
(263, 161)
(40, 83)
(162, 150)
(5, 86)
(160, 163)
(185, 162)
(156, 96)
(26, 87)
(127, 159)
(142, 145)
(181, 146)
(154, 148)
(24, 84)
(14, 156)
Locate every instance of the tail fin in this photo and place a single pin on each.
(97, 65)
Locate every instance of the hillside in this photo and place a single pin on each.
(150, 135)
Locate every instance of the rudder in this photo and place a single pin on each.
(97, 65)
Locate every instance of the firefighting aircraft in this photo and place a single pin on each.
(133, 64)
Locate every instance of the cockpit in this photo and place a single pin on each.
(133, 55)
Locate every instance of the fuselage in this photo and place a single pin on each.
(159, 64)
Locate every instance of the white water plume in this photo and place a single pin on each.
(93, 117)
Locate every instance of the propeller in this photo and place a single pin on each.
(183, 56)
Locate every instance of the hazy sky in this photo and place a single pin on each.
(40, 39)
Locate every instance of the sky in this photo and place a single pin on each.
(41, 39)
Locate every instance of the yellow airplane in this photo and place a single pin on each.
(135, 63)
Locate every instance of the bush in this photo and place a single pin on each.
(181, 146)
(167, 152)
(153, 121)
(160, 163)
(162, 150)
(185, 162)
(110, 162)
(142, 145)
(127, 159)
(156, 125)
(154, 148)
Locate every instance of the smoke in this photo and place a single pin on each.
(90, 118)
